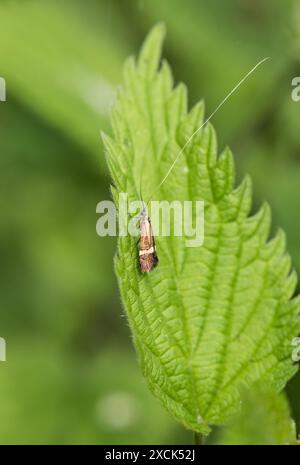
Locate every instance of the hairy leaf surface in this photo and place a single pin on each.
(212, 319)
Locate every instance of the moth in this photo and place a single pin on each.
(147, 252)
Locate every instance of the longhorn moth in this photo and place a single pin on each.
(147, 252)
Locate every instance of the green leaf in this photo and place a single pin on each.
(62, 67)
(211, 319)
(193, 24)
(264, 419)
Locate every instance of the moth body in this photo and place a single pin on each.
(147, 253)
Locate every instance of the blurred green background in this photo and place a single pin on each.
(71, 374)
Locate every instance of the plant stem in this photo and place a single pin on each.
(199, 439)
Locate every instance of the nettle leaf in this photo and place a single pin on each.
(212, 319)
(264, 419)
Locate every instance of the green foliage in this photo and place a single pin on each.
(264, 419)
(82, 399)
(209, 41)
(68, 348)
(212, 319)
(64, 68)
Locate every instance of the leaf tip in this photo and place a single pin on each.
(151, 50)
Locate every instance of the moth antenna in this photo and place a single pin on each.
(141, 197)
(141, 183)
(235, 88)
(140, 189)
